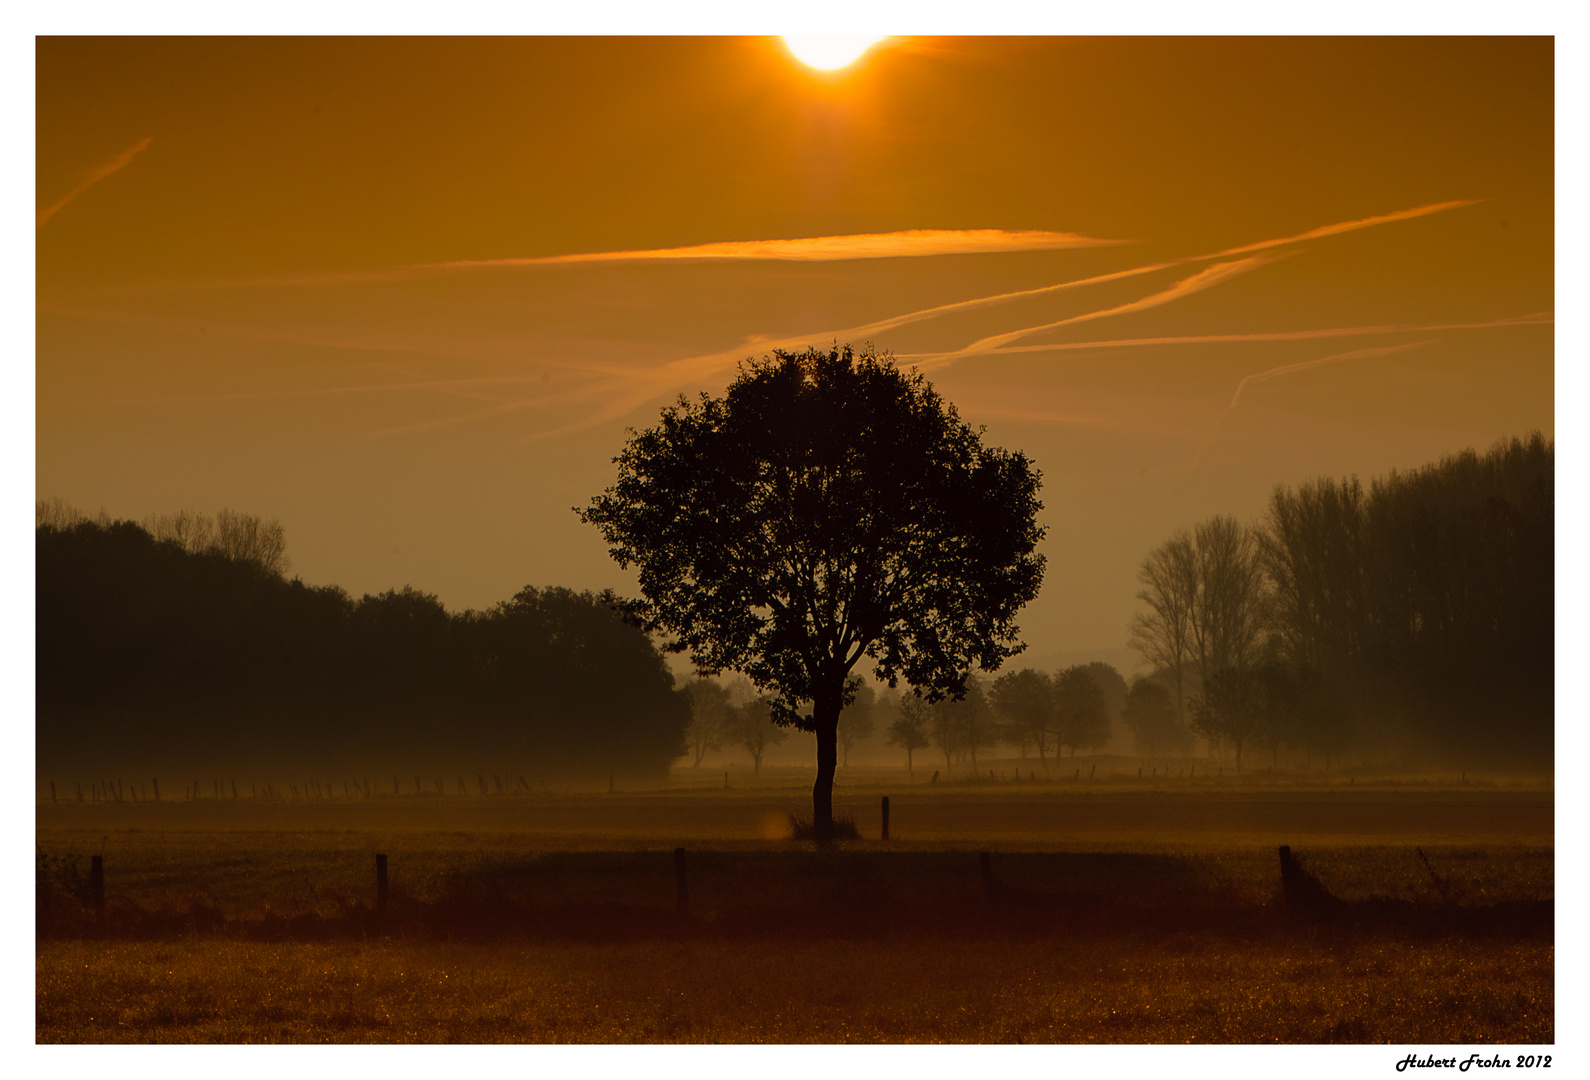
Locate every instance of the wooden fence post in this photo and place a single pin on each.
(380, 883)
(679, 879)
(886, 817)
(52, 791)
(987, 862)
(96, 884)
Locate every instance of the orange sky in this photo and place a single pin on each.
(406, 294)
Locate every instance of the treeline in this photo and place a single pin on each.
(1411, 619)
(182, 643)
(1029, 711)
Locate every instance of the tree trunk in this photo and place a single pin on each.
(825, 718)
(908, 770)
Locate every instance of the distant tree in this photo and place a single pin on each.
(232, 535)
(961, 726)
(1233, 708)
(1164, 635)
(1081, 719)
(751, 726)
(909, 731)
(709, 718)
(828, 507)
(1113, 686)
(1149, 713)
(1025, 701)
(856, 723)
(1228, 625)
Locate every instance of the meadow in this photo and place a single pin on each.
(1117, 911)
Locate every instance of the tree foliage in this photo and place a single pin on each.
(1149, 713)
(1082, 720)
(1025, 701)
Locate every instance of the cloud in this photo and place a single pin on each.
(115, 164)
(909, 243)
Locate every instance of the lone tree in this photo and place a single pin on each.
(827, 507)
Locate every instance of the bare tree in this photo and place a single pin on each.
(1228, 624)
(1164, 636)
(192, 532)
(248, 538)
(1207, 606)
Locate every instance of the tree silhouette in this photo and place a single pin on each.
(1150, 715)
(1233, 707)
(1081, 717)
(826, 508)
(1025, 699)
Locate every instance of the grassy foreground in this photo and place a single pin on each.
(1137, 917)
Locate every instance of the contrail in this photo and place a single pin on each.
(695, 368)
(1203, 279)
(115, 164)
(1540, 318)
(1287, 369)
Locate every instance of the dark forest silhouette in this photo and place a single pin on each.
(154, 653)
(1413, 619)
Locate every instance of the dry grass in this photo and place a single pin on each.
(1182, 989)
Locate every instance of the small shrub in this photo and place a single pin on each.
(844, 829)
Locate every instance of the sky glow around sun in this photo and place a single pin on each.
(829, 53)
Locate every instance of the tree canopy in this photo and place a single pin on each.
(828, 507)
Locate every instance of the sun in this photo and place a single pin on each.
(829, 53)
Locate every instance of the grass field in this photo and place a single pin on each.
(1118, 913)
